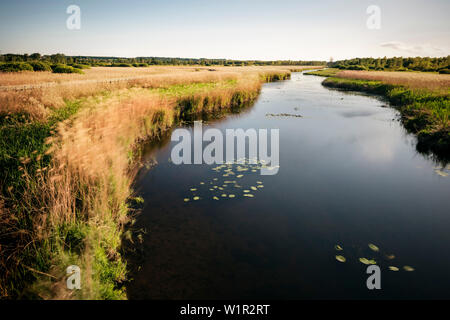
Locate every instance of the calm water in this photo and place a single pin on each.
(349, 175)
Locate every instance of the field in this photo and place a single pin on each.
(69, 152)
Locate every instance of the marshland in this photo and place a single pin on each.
(69, 154)
(87, 180)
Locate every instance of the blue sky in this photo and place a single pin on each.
(253, 29)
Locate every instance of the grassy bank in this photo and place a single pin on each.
(424, 111)
(329, 72)
(69, 157)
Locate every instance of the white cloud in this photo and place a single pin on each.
(418, 50)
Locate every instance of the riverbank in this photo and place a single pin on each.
(422, 99)
(69, 158)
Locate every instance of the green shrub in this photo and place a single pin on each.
(62, 68)
(356, 67)
(121, 65)
(140, 65)
(444, 71)
(15, 67)
(40, 66)
(80, 66)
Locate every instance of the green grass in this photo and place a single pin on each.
(423, 112)
(329, 72)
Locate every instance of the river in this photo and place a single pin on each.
(349, 176)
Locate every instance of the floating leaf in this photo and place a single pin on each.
(364, 261)
(338, 247)
(223, 195)
(193, 189)
(202, 183)
(392, 268)
(231, 195)
(373, 247)
(186, 199)
(215, 198)
(196, 198)
(248, 195)
(390, 256)
(340, 258)
(246, 191)
(258, 182)
(408, 268)
(239, 176)
(253, 188)
(441, 173)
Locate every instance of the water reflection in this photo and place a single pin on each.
(349, 175)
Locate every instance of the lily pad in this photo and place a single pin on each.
(341, 258)
(408, 268)
(374, 247)
(186, 199)
(196, 198)
(338, 247)
(392, 268)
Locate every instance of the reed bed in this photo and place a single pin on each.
(66, 196)
(439, 83)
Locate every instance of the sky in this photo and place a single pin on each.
(245, 29)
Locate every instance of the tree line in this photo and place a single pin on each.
(425, 64)
(143, 61)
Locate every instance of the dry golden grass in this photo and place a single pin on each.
(106, 73)
(95, 73)
(415, 80)
(42, 97)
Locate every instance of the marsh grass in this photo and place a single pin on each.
(329, 72)
(69, 164)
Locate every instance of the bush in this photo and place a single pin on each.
(121, 65)
(15, 67)
(140, 65)
(356, 67)
(40, 66)
(80, 66)
(444, 71)
(61, 68)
